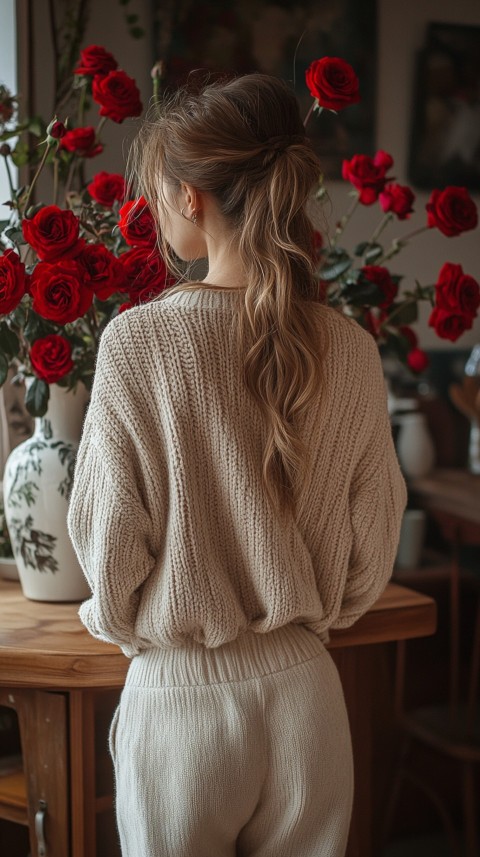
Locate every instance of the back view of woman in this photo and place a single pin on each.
(237, 494)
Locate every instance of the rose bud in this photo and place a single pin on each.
(56, 130)
(158, 70)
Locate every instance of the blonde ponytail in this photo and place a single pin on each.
(244, 142)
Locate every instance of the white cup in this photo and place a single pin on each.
(412, 535)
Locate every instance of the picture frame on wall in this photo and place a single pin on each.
(279, 37)
(445, 132)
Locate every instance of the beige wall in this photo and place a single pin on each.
(401, 33)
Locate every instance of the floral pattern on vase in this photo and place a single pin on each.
(37, 484)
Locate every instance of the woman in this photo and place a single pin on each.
(237, 494)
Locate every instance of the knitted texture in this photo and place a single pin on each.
(168, 515)
(242, 749)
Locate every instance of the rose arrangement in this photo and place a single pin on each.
(66, 271)
(359, 281)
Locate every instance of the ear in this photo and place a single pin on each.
(192, 198)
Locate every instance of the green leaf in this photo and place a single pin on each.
(137, 32)
(363, 293)
(3, 369)
(37, 327)
(21, 154)
(131, 19)
(36, 399)
(360, 248)
(7, 135)
(14, 234)
(373, 253)
(18, 315)
(333, 272)
(37, 126)
(9, 341)
(124, 2)
(404, 313)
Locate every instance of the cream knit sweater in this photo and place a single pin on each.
(168, 515)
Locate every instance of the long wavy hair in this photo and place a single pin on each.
(243, 141)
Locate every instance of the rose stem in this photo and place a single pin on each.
(345, 219)
(307, 117)
(34, 180)
(99, 128)
(9, 176)
(55, 180)
(70, 174)
(383, 223)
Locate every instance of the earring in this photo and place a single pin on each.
(194, 216)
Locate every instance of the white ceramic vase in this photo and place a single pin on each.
(36, 488)
(415, 448)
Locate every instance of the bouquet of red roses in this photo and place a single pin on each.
(65, 271)
(359, 281)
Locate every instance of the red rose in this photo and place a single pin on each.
(94, 61)
(103, 269)
(398, 199)
(417, 360)
(455, 291)
(452, 211)
(137, 224)
(82, 141)
(51, 358)
(381, 277)
(118, 96)
(146, 273)
(61, 291)
(12, 281)
(368, 175)
(53, 233)
(105, 188)
(449, 325)
(333, 82)
(123, 307)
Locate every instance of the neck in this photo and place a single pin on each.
(224, 264)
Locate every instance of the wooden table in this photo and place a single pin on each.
(64, 686)
(452, 490)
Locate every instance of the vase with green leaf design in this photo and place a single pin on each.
(37, 483)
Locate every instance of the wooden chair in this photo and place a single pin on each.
(452, 728)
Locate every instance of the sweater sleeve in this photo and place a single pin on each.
(108, 524)
(377, 499)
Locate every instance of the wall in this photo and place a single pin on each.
(401, 27)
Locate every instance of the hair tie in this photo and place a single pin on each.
(281, 143)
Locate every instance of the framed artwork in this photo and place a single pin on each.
(279, 37)
(445, 133)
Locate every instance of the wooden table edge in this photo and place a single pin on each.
(400, 613)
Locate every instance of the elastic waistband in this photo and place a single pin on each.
(250, 655)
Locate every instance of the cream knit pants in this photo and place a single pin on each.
(238, 751)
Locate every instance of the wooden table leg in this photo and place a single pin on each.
(82, 774)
